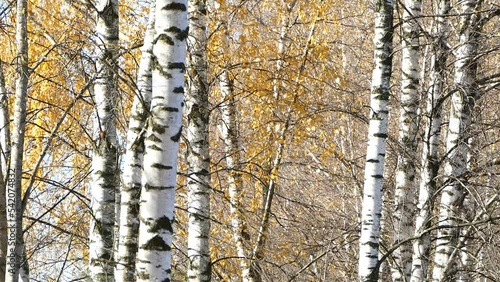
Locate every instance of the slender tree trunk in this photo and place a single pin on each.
(430, 162)
(468, 214)
(4, 163)
(133, 161)
(4, 157)
(14, 181)
(274, 161)
(24, 269)
(162, 142)
(466, 265)
(377, 134)
(198, 157)
(4, 127)
(462, 104)
(408, 129)
(104, 162)
(229, 133)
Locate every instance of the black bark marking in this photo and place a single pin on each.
(179, 90)
(156, 244)
(165, 38)
(178, 66)
(160, 166)
(182, 34)
(151, 187)
(177, 136)
(155, 65)
(163, 223)
(157, 128)
(106, 256)
(174, 7)
(109, 16)
(153, 138)
(171, 109)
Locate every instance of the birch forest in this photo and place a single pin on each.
(249, 140)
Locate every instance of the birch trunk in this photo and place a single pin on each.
(133, 162)
(229, 133)
(430, 161)
(4, 157)
(4, 127)
(377, 134)
(162, 142)
(408, 129)
(14, 181)
(274, 161)
(462, 104)
(198, 157)
(466, 259)
(24, 269)
(104, 161)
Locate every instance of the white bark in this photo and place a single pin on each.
(4, 157)
(14, 185)
(281, 135)
(4, 125)
(468, 212)
(466, 259)
(198, 157)
(274, 161)
(377, 134)
(104, 161)
(462, 103)
(430, 162)
(408, 127)
(229, 133)
(162, 142)
(133, 161)
(24, 269)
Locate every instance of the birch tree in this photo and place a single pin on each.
(4, 126)
(198, 157)
(229, 133)
(408, 127)
(162, 142)
(14, 175)
(377, 134)
(462, 104)
(4, 156)
(275, 158)
(430, 161)
(104, 161)
(133, 161)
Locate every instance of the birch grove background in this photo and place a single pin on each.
(249, 140)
